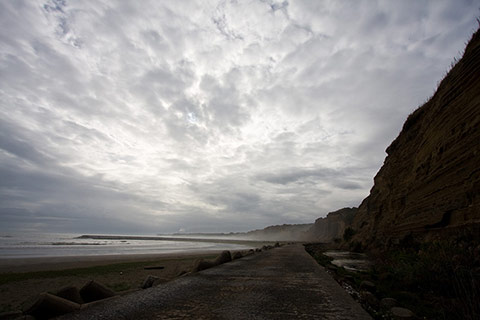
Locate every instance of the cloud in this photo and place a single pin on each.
(298, 174)
(207, 116)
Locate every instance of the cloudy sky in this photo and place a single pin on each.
(207, 116)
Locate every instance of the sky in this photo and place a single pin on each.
(208, 116)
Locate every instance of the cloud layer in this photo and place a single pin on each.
(156, 116)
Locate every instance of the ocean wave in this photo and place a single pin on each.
(77, 244)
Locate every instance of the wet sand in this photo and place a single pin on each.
(68, 262)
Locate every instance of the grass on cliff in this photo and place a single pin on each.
(438, 280)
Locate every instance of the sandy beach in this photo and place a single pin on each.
(21, 280)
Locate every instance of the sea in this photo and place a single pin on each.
(28, 245)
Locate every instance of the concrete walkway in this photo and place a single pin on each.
(282, 283)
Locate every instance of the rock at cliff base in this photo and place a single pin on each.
(332, 267)
(93, 291)
(49, 306)
(401, 313)
(388, 303)
(369, 299)
(368, 286)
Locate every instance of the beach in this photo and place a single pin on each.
(22, 279)
(34, 263)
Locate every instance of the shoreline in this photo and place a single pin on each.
(56, 255)
(182, 239)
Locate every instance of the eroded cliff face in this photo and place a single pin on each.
(332, 226)
(430, 180)
(286, 232)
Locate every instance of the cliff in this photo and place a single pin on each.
(429, 184)
(286, 232)
(332, 226)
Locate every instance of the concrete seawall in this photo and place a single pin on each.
(283, 283)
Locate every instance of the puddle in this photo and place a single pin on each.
(351, 261)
